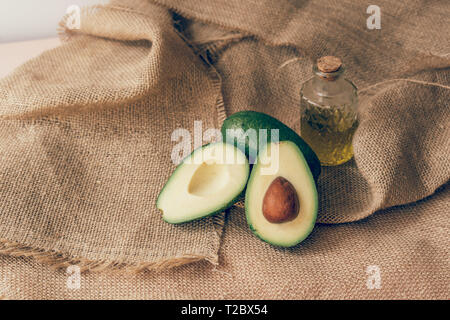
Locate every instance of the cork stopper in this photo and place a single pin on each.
(329, 64)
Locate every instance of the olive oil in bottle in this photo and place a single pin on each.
(329, 115)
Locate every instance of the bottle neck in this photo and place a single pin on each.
(327, 87)
(327, 84)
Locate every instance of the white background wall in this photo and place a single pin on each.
(34, 19)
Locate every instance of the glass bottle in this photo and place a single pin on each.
(329, 112)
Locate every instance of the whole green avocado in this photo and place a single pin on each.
(235, 127)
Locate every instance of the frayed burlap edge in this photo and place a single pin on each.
(59, 260)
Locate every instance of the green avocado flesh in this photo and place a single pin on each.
(236, 126)
(208, 181)
(283, 159)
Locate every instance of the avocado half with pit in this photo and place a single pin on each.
(281, 198)
(206, 182)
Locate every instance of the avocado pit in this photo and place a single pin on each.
(280, 202)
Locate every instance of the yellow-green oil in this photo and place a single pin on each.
(329, 131)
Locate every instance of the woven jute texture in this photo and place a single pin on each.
(86, 142)
(336, 262)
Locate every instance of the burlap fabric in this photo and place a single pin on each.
(85, 158)
(85, 137)
(408, 244)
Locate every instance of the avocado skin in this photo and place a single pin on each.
(257, 120)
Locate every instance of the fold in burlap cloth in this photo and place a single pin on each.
(85, 134)
(85, 140)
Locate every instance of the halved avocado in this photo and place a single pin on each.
(207, 182)
(282, 168)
